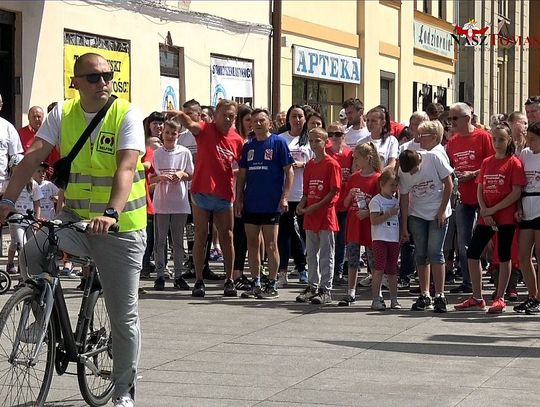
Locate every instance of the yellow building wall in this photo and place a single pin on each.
(41, 63)
(336, 14)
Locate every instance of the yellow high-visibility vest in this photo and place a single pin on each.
(93, 169)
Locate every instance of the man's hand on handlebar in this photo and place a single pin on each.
(100, 225)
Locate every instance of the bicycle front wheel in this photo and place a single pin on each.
(25, 374)
(96, 383)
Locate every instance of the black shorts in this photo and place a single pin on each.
(261, 218)
(533, 224)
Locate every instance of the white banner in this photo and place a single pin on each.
(433, 39)
(313, 63)
(231, 79)
(170, 93)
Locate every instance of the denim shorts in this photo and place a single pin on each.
(210, 203)
(428, 240)
(353, 256)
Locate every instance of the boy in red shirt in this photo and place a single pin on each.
(322, 181)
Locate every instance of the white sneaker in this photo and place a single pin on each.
(394, 304)
(282, 280)
(124, 401)
(365, 282)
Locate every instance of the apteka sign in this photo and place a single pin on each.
(313, 63)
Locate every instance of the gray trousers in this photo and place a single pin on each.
(176, 223)
(320, 258)
(118, 258)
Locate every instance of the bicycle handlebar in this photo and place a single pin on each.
(79, 226)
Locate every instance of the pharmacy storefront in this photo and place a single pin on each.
(320, 79)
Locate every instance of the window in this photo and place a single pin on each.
(171, 71)
(325, 97)
(387, 86)
(503, 8)
(442, 9)
(426, 6)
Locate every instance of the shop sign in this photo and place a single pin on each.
(232, 79)
(312, 63)
(433, 39)
(116, 51)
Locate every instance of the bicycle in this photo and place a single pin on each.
(36, 334)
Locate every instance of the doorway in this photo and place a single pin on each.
(7, 65)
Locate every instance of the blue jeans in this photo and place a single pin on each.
(428, 240)
(465, 218)
(339, 257)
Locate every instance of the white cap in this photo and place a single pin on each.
(342, 114)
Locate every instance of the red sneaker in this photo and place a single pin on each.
(497, 307)
(471, 304)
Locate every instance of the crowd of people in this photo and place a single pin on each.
(432, 197)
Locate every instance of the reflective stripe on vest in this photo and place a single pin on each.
(92, 171)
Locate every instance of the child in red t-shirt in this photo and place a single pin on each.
(338, 150)
(322, 181)
(500, 181)
(362, 186)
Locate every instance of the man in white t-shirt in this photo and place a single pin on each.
(10, 144)
(357, 133)
(118, 256)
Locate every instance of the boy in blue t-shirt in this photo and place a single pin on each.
(262, 186)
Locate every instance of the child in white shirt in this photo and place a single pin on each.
(28, 199)
(383, 213)
(49, 192)
(172, 169)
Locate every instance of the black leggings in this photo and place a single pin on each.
(240, 244)
(482, 235)
(290, 240)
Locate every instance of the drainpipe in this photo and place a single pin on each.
(276, 57)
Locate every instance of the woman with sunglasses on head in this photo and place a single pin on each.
(338, 150)
(291, 235)
(378, 124)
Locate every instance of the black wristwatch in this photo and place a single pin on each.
(111, 213)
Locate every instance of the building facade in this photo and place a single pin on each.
(492, 69)
(534, 53)
(271, 53)
(161, 52)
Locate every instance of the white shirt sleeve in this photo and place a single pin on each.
(393, 147)
(50, 129)
(131, 134)
(443, 168)
(374, 206)
(14, 143)
(189, 163)
(404, 186)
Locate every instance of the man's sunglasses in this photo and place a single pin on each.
(95, 77)
(335, 134)
(456, 118)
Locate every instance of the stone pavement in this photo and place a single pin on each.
(277, 353)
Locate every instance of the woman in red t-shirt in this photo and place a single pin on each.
(338, 150)
(500, 181)
(361, 187)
